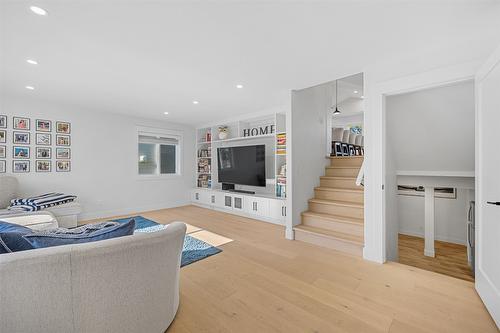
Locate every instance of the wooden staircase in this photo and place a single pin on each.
(335, 218)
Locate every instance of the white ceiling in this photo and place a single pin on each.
(147, 57)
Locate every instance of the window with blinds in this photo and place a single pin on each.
(158, 154)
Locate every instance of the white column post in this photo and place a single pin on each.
(429, 221)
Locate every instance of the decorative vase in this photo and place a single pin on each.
(223, 132)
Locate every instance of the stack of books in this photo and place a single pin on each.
(204, 153)
(281, 182)
(204, 166)
(281, 187)
(204, 181)
(281, 144)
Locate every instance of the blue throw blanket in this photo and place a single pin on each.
(41, 202)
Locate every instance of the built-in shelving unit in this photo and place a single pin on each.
(267, 129)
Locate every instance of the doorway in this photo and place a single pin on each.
(345, 117)
(430, 179)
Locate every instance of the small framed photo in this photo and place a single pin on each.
(63, 140)
(20, 166)
(3, 166)
(3, 136)
(63, 166)
(43, 125)
(21, 138)
(20, 152)
(63, 153)
(21, 123)
(3, 121)
(43, 139)
(3, 151)
(43, 152)
(43, 166)
(63, 127)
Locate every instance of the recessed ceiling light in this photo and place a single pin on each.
(195, 102)
(363, 97)
(30, 87)
(31, 61)
(38, 10)
(355, 91)
(165, 112)
(239, 86)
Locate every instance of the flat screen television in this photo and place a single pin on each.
(245, 165)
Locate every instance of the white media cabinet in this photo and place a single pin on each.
(262, 207)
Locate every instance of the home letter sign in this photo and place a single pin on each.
(257, 131)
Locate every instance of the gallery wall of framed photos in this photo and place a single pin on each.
(34, 145)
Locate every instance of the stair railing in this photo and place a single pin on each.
(360, 180)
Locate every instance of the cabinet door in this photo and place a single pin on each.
(219, 199)
(204, 197)
(238, 202)
(228, 201)
(277, 209)
(259, 206)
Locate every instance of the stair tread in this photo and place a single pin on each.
(334, 218)
(337, 189)
(337, 203)
(342, 167)
(344, 157)
(337, 177)
(331, 234)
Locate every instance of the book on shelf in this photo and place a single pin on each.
(281, 190)
(204, 181)
(281, 144)
(204, 166)
(204, 153)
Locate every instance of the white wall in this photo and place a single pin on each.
(450, 217)
(104, 161)
(432, 129)
(346, 120)
(309, 111)
(428, 130)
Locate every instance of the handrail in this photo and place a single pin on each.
(360, 180)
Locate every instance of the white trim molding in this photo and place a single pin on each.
(375, 142)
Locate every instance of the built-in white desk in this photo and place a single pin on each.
(430, 180)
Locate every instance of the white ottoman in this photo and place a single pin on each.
(39, 221)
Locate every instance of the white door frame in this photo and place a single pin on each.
(375, 143)
(485, 288)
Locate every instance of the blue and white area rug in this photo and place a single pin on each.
(193, 249)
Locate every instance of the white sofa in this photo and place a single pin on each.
(126, 284)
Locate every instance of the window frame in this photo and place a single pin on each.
(153, 131)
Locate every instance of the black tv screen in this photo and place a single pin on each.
(242, 165)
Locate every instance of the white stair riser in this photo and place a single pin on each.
(342, 172)
(346, 162)
(348, 183)
(356, 197)
(346, 228)
(356, 212)
(335, 244)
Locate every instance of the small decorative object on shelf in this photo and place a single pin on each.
(204, 153)
(281, 144)
(208, 136)
(259, 130)
(204, 166)
(281, 182)
(223, 132)
(204, 181)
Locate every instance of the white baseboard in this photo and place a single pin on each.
(130, 210)
(438, 237)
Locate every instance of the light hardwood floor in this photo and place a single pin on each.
(262, 282)
(451, 259)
